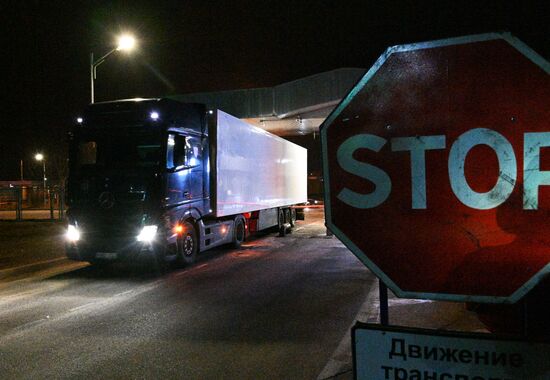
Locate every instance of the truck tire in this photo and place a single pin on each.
(292, 217)
(187, 245)
(282, 227)
(288, 220)
(239, 233)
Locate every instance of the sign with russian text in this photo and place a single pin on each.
(390, 353)
(437, 169)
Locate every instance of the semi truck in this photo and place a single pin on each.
(165, 179)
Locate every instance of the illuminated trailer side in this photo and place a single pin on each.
(254, 169)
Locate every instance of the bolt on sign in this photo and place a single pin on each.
(382, 352)
(437, 169)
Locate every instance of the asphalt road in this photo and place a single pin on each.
(275, 309)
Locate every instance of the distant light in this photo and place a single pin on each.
(210, 112)
(126, 42)
(79, 120)
(224, 229)
(38, 156)
(178, 229)
(154, 115)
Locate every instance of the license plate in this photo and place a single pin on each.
(106, 255)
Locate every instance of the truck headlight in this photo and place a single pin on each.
(73, 234)
(147, 234)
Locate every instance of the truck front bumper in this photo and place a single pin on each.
(107, 249)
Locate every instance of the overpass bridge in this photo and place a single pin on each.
(289, 109)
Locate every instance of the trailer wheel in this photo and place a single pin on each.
(239, 234)
(288, 220)
(282, 227)
(292, 217)
(187, 245)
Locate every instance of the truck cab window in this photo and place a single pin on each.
(193, 151)
(175, 151)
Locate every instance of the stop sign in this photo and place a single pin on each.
(437, 169)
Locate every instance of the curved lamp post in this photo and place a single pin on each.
(125, 43)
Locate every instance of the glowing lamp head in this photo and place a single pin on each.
(38, 156)
(79, 120)
(126, 43)
(178, 229)
(154, 115)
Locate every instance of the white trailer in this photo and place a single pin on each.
(254, 169)
(255, 177)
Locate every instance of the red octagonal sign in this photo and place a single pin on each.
(437, 169)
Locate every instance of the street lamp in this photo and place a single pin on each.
(125, 43)
(40, 158)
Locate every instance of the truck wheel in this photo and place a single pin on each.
(239, 234)
(187, 245)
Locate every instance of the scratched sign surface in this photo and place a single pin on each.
(437, 169)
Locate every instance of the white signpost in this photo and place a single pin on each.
(383, 352)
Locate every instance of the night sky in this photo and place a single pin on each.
(192, 46)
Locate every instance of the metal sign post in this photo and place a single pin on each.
(383, 297)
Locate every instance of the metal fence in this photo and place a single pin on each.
(32, 202)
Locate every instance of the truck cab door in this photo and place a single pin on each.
(184, 167)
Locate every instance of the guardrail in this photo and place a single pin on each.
(20, 203)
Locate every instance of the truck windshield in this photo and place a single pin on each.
(118, 151)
